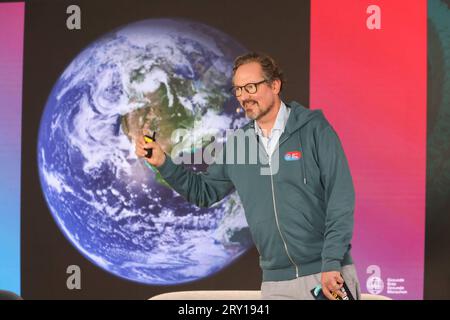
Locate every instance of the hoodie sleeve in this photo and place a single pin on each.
(202, 189)
(339, 197)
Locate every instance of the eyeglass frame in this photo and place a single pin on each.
(256, 84)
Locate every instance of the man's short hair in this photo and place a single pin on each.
(271, 70)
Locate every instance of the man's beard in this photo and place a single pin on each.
(255, 108)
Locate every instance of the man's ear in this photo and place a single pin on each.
(276, 86)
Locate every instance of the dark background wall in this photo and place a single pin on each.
(437, 234)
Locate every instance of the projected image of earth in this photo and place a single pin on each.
(157, 74)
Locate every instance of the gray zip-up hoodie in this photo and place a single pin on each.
(301, 216)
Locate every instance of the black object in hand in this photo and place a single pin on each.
(148, 138)
(319, 295)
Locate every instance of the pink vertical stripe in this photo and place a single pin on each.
(11, 57)
(371, 85)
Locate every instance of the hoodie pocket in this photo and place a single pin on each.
(304, 216)
(262, 235)
(269, 244)
(315, 191)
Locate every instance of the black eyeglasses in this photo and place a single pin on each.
(249, 87)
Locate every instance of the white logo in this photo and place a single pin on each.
(374, 283)
(373, 22)
(74, 280)
(73, 22)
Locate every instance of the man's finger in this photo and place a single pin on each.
(340, 294)
(328, 294)
(340, 279)
(333, 285)
(140, 145)
(140, 153)
(150, 144)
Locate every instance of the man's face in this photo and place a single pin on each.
(258, 104)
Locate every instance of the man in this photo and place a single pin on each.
(301, 216)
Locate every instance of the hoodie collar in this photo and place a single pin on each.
(298, 117)
(280, 121)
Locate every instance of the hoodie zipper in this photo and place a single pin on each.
(275, 205)
(276, 220)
